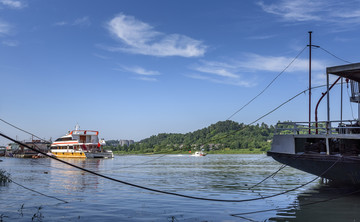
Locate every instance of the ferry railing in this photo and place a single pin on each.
(323, 127)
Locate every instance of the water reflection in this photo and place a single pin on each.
(323, 203)
(73, 179)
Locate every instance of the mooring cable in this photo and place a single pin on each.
(18, 128)
(32, 190)
(209, 140)
(137, 164)
(166, 192)
(271, 175)
(274, 173)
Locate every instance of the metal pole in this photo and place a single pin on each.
(341, 110)
(328, 103)
(358, 111)
(310, 82)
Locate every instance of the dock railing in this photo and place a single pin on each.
(323, 127)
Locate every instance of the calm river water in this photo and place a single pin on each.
(229, 177)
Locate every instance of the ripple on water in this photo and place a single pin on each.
(215, 176)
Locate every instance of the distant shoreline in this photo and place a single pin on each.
(238, 151)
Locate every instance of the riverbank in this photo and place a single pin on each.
(239, 151)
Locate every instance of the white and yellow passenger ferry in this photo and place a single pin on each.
(80, 144)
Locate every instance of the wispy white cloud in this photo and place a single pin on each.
(216, 68)
(141, 38)
(147, 79)
(219, 72)
(257, 62)
(84, 21)
(262, 37)
(298, 10)
(62, 23)
(100, 56)
(4, 28)
(226, 81)
(244, 72)
(10, 43)
(13, 4)
(141, 71)
(329, 11)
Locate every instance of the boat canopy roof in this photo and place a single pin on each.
(84, 132)
(350, 71)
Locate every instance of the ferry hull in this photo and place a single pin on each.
(69, 154)
(83, 154)
(100, 155)
(346, 170)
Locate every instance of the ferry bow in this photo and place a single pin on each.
(329, 149)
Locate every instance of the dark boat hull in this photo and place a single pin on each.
(339, 169)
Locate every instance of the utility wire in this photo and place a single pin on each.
(24, 130)
(268, 84)
(285, 103)
(281, 74)
(167, 192)
(268, 113)
(333, 55)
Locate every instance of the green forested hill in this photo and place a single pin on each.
(224, 135)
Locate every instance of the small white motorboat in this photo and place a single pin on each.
(199, 153)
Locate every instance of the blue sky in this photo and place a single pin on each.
(132, 69)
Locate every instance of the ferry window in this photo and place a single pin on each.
(82, 139)
(63, 139)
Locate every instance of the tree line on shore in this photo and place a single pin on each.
(223, 135)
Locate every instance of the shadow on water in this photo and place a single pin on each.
(323, 202)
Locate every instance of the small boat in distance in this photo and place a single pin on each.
(80, 144)
(199, 153)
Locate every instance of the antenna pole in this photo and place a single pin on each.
(310, 81)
